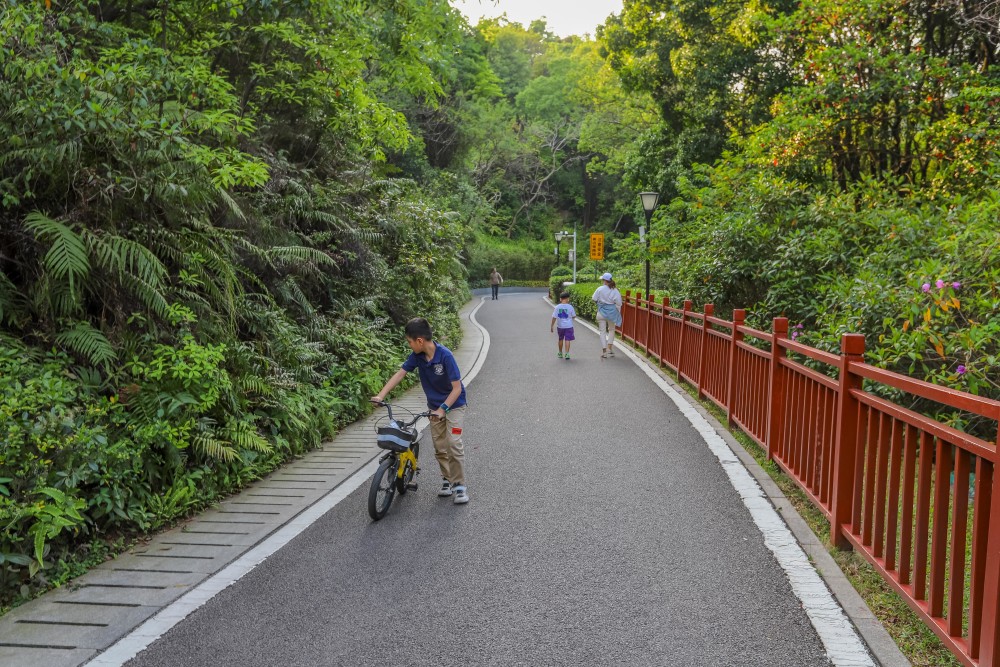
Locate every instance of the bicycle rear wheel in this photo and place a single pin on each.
(383, 488)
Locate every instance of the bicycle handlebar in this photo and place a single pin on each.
(405, 424)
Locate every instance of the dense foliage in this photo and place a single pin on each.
(834, 163)
(203, 259)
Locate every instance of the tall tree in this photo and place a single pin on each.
(895, 90)
(709, 67)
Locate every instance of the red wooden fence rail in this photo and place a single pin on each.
(895, 484)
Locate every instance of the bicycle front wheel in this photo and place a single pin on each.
(383, 488)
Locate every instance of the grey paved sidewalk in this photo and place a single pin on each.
(69, 626)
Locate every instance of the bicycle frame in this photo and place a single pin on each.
(403, 457)
(385, 484)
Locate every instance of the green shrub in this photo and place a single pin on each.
(63, 471)
(515, 260)
(580, 297)
(557, 277)
(482, 284)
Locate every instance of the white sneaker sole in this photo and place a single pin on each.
(461, 500)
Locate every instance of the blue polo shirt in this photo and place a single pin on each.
(436, 375)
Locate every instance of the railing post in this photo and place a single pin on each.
(638, 311)
(709, 311)
(739, 317)
(845, 444)
(625, 311)
(663, 333)
(989, 643)
(649, 320)
(776, 389)
(680, 339)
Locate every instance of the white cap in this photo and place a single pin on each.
(606, 276)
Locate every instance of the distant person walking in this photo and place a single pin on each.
(563, 316)
(609, 313)
(495, 281)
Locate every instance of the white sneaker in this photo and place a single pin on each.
(445, 489)
(461, 497)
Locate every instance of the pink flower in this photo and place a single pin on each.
(956, 285)
(800, 326)
(939, 284)
(926, 287)
(795, 334)
(960, 370)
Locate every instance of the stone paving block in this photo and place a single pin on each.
(100, 596)
(194, 533)
(142, 566)
(184, 551)
(45, 609)
(218, 518)
(96, 636)
(327, 459)
(306, 475)
(109, 577)
(33, 657)
(277, 494)
(222, 532)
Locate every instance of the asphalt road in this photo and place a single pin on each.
(601, 531)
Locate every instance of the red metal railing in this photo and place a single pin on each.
(895, 484)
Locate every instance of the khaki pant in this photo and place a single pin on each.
(448, 448)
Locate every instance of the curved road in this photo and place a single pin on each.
(601, 531)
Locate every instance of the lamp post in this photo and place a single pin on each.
(649, 202)
(565, 235)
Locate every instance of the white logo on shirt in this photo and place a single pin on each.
(438, 369)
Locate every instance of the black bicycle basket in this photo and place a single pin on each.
(395, 438)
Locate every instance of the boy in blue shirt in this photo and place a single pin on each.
(563, 315)
(442, 383)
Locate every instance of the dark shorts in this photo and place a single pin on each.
(566, 334)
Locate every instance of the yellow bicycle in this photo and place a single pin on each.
(399, 465)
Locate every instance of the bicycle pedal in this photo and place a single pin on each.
(412, 486)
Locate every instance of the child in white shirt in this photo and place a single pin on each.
(563, 315)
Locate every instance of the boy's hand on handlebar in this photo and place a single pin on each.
(377, 400)
(437, 414)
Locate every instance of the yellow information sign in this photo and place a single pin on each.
(597, 247)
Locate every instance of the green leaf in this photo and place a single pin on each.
(66, 258)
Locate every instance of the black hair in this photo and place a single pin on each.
(564, 295)
(418, 327)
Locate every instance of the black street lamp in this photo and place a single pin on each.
(649, 203)
(561, 236)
